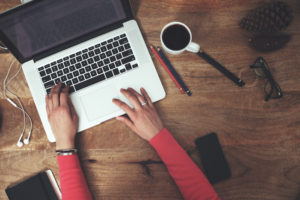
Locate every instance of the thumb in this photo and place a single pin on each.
(127, 122)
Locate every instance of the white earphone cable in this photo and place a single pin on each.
(20, 106)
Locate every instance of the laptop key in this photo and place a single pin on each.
(40, 68)
(54, 68)
(119, 56)
(116, 38)
(53, 63)
(53, 76)
(75, 80)
(116, 72)
(69, 82)
(90, 82)
(47, 66)
(81, 71)
(100, 64)
(128, 66)
(57, 81)
(87, 76)
(109, 46)
(60, 66)
(73, 61)
(112, 59)
(78, 65)
(104, 43)
(94, 66)
(60, 73)
(127, 46)
(105, 68)
(78, 53)
(100, 71)
(135, 66)
(42, 73)
(49, 84)
(48, 71)
(116, 44)
(72, 68)
(102, 56)
(90, 60)
(66, 70)
(123, 70)
(121, 48)
(110, 40)
(67, 63)
(97, 51)
(85, 56)
(127, 53)
(106, 61)
(118, 63)
(48, 90)
(72, 56)
(60, 61)
(66, 58)
(123, 41)
(46, 78)
(76, 73)
(70, 76)
(84, 63)
(112, 66)
(81, 78)
(63, 78)
(128, 59)
(94, 73)
(109, 53)
(96, 58)
(115, 51)
(123, 35)
(103, 49)
(109, 74)
(91, 53)
(88, 68)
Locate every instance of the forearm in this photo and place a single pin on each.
(72, 180)
(189, 178)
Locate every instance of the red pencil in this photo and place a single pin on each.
(167, 69)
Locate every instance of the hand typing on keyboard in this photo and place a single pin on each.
(62, 117)
(143, 118)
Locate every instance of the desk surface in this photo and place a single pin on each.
(261, 140)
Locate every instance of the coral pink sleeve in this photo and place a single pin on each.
(189, 178)
(72, 180)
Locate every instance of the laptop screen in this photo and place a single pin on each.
(49, 23)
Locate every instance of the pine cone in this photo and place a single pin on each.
(269, 18)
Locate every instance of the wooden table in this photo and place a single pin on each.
(261, 140)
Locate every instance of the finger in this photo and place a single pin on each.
(124, 107)
(127, 122)
(141, 98)
(55, 94)
(147, 97)
(47, 104)
(64, 96)
(72, 109)
(132, 98)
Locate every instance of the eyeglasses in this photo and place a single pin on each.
(271, 88)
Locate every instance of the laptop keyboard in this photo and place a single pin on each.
(89, 66)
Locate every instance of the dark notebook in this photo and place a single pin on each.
(38, 187)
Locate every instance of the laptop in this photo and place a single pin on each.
(95, 46)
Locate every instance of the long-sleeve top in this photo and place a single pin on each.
(190, 180)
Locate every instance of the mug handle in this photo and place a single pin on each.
(193, 47)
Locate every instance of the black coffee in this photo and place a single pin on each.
(176, 37)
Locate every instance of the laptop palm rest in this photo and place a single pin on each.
(98, 103)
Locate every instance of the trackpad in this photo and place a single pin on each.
(98, 103)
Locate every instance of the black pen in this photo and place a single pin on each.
(173, 71)
(221, 68)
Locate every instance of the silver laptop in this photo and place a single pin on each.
(95, 46)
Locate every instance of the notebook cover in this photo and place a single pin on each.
(37, 187)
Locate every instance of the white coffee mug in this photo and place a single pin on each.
(190, 46)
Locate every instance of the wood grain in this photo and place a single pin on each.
(261, 140)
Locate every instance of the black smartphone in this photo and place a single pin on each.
(214, 162)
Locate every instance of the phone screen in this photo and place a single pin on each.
(212, 157)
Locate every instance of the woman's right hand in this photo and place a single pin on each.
(143, 117)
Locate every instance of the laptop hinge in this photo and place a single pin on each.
(76, 41)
